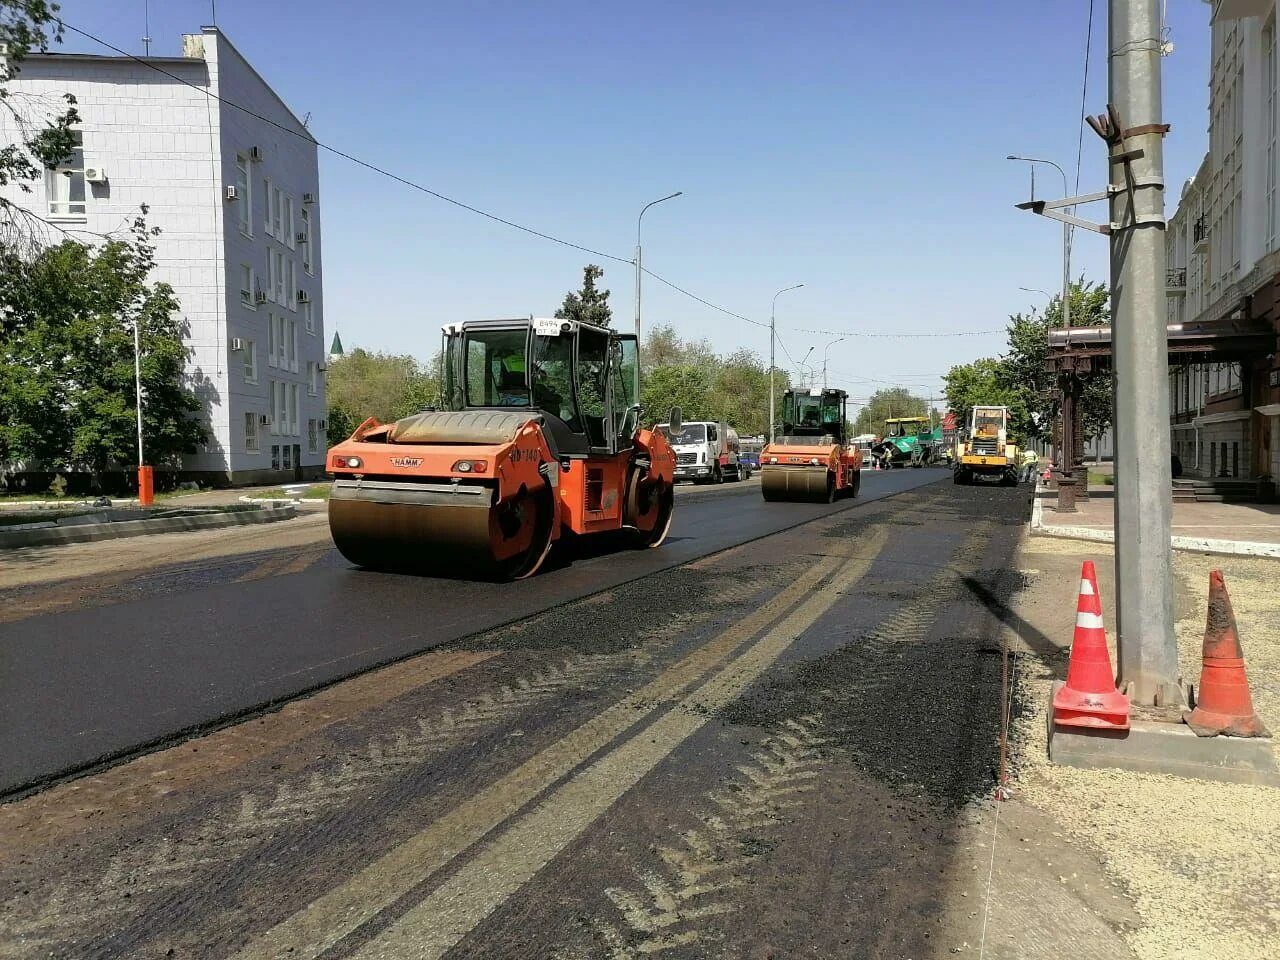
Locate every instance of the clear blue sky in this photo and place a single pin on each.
(856, 147)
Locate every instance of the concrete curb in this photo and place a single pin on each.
(1232, 548)
(89, 532)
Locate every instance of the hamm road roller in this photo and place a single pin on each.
(539, 437)
(811, 460)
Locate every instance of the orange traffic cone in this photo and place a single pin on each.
(1223, 704)
(1090, 698)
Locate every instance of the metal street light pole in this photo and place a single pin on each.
(807, 377)
(824, 360)
(773, 342)
(639, 271)
(1146, 647)
(1066, 236)
(1037, 290)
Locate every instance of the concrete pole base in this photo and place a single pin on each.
(1066, 494)
(1151, 746)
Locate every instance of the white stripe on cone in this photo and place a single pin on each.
(1086, 588)
(1090, 621)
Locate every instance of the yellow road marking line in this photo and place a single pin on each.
(329, 918)
(448, 914)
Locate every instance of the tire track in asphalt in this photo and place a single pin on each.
(142, 873)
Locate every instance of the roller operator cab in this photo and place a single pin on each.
(538, 437)
(813, 459)
(986, 451)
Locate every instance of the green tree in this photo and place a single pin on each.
(362, 384)
(740, 393)
(984, 382)
(43, 126)
(588, 305)
(685, 385)
(1025, 369)
(889, 402)
(67, 394)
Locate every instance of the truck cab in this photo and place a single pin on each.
(707, 451)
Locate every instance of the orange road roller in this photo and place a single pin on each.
(813, 460)
(539, 438)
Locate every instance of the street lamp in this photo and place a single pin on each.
(808, 377)
(773, 342)
(639, 271)
(824, 360)
(1036, 290)
(1066, 233)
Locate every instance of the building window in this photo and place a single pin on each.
(293, 398)
(250, 433)
(289, 235)
(286, 462)
(313, 436)
(250, 350)
(275, 457)
(266, 208)
(271, 340)
(248, 287)
(65, 182)
(244, 191)
(309, 317)
(306, 242)
(277, 276)
(313, 378)
(291, 283)
(277, 214)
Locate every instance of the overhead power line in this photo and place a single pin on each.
(903, 336)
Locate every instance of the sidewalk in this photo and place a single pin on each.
(1251, 529)
(1199, 860)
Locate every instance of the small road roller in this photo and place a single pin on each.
(538, 439)
(813, 460)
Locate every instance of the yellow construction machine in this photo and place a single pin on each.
(986, 451)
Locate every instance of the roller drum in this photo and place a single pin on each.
(797, 485)
(439, 529)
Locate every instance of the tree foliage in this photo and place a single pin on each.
(588, 305)
(1021, 380)
(885, 403)
(67, 393)
(706, 386)
(43, 127)
(362, 384)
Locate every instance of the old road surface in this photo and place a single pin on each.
(755, 742)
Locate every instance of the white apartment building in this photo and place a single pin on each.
(1223, 246)
(236, 197)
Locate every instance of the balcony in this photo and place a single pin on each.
(1175, 281)
(1200, 236)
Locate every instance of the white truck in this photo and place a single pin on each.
(706, 452)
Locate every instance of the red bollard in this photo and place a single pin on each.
(146, 486)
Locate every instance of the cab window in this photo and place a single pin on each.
(593, 368)
(494, 371)
(553, 379)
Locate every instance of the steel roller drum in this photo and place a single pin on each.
(448, 529)
(807, 484)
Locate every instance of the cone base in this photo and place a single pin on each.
(1105, 711)
(1207, 723)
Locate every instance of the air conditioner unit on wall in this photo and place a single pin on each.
(301, 237)
(304, 297)
(255, 154)
(324, 424)
(231, 192)
(265, 419)
(95, 175)
(260, 297)
(308, 198)
(236, 344)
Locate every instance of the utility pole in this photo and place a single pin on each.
(1147, 649)
(146, 479)
(639, 272)
(773, 343)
